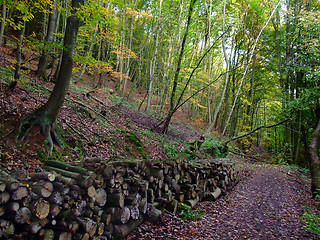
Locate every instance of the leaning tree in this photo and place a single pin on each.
(46, 115)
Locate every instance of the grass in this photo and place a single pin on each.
(311, 221)
(171, 150)
(186, 212)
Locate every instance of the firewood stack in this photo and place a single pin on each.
(104, 197)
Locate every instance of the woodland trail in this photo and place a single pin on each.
(265, 204)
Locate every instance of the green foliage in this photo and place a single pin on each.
(214, 147)
(191, 155)
(305, 171)
(6, 74)
(283, 157)
(44, 156)
(171, 150)
(186, 212)
(311, 221)
(133, 138)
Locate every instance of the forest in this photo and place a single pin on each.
(85, 74)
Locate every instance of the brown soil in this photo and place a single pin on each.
(266, 204)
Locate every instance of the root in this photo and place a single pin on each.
(48, 128)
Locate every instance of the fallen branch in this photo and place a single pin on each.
(254, 130)
(248, 156)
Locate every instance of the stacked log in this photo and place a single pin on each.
(100, 198)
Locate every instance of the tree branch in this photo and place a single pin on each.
(254, 130)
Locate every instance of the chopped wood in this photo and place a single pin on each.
(125, 229)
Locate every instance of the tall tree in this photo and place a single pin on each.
(46, 115)
(177, 72)
(43, 61)
(3, 21)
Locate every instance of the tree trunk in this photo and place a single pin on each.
(88, 53)
(46, 115)
(176, 75)
(247, 67)
(14, 83)
(42, 66)
(226, 58)
(153, 63)
(3, 23)
(315, 161)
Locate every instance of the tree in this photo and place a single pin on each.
(46, 115)
(176, 75)
(315, 161)
(42, 66)
(3, 21)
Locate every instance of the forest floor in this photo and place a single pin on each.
(266, 204)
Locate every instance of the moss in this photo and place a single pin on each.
(134, 139)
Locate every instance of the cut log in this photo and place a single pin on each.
(121, 215)
(133, 199)
(108, 229)
(125, 229)
(35, 227)
(23, 215)
(176, 187)
(100, 197)
(153, 214)
(55, 210)
(2, 186)
(64, 173)
(157, 173)
(47, 176)
(134, 212)
(4, 197)
(20, 193)
(66, 166)
(65, 236)
(91, 191)
(86, 224)
(41, 208)
(86, 181)
(106, 218)
(143, 206)
(172, 206)
(65, 180)
(44, 189)
(7, 228)
(192, 202)
(115, 200)
(13, 207)
(2, 212)
(11, 183)
(150, 195)
(48, 234)
(100, 228)
(215, 195)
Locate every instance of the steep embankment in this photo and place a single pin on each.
(266, 204)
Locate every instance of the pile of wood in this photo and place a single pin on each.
(102, 197)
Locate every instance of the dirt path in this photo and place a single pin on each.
(266, 204)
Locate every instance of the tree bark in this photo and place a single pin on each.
(315, 161)
(226, 58)
(46, 115)
(42, 66)
(177, 72)
(3, 23)
(14, 83)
